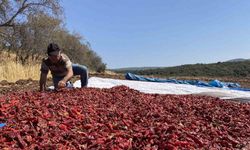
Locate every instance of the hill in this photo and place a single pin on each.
(237, 60)
(219, 69)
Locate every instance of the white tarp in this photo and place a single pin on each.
(166, 88)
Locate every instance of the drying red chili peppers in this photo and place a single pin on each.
(121, 118)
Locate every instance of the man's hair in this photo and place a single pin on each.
(52, 47)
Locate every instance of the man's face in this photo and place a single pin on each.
(55, 58)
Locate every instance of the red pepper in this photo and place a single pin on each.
(63, 127)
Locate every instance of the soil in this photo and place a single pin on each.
(33, 85)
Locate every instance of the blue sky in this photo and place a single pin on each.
(160, 33)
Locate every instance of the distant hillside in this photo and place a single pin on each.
(220, 69)
(135, 68)
(237, 60)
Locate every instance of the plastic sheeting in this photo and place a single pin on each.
(2, 125)
(167, 88)
(213, 83)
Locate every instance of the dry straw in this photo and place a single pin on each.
(12, 71)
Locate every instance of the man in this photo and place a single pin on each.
(61, 69)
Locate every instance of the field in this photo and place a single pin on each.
(32, 84)
(119, 118)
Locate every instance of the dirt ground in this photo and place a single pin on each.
(33, 85)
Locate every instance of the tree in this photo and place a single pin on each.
(28, 26)
(37, 33)
(29, 39)
(21, 22)
(78, 50)
(13, 12)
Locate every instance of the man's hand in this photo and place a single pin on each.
(61, 84)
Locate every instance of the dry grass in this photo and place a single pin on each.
(12, 71)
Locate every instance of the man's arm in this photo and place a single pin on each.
(43, 79)
(69, 74)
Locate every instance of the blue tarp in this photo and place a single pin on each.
(2, 125)
(213, 83)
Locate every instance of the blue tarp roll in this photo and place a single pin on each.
(2, 125)
(213, 83)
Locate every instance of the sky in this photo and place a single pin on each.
(161, 33)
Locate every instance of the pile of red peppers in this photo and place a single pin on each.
(121, 118)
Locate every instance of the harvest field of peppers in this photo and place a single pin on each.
(121, 118)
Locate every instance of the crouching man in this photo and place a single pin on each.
(61, 69)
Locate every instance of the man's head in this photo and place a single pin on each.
(53, 49)
(54, 52)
